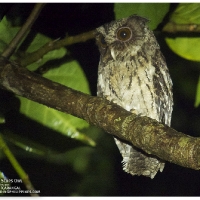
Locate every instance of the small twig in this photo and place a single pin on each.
(23, 31)
(172, 27)
(22, 174)
(56, 44)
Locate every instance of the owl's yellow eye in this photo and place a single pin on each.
(124, 34)
(102, 41)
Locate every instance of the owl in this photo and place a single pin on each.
(133, 73)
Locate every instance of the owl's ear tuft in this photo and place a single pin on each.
(139, 18)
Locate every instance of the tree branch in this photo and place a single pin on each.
(56, 44)
(23, 31)
(172, 27)
(143, 132)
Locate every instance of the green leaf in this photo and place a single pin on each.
(71, 75)
(38, 42)
(155, 12)
(186, 47)
(197, 101)
(186, 13)
(7, 33)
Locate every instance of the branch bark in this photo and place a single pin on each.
(172, 27)
(56, 44)
(143, 132)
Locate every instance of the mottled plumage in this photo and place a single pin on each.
(133, 74)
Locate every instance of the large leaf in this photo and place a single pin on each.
(155, 12)
(71, 75)
(39, 41)
(7, 33)
(186, 47)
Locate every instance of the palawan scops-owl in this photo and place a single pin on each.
(133, 74)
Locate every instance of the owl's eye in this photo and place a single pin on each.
(102, 41)
(124, 34)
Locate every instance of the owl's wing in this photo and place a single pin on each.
(137, 162)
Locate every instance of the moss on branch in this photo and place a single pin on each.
(143, 132)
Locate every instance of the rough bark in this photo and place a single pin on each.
(143, 132)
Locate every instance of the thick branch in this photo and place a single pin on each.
(143, 132)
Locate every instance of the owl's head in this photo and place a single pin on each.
(122, 38)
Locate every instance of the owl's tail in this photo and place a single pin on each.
(138, 163)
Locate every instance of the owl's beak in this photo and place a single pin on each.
(113, 54)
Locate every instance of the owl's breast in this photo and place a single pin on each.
(129, 85)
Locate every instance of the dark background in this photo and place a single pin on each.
(57, 20)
